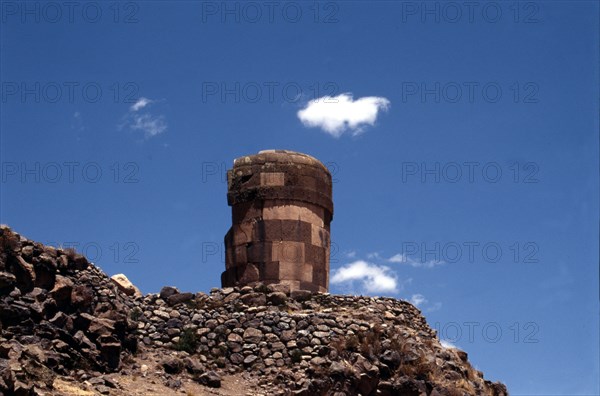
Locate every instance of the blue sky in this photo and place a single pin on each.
(464, 150)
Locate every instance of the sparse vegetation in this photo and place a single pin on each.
(352, 343)
(70, 253)
(188, 341)
(135, 314)
(296, 356)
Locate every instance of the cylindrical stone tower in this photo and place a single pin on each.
(282, 206)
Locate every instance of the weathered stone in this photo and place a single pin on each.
(277, 298)
(318, 361)
(211, 379)
(252, 335)
(254, 299)
(82, 296)
(125, 285)
(236, 358)
(7, 280)
(179, 298)
(174, 383)
(277, 346)
(83, 341)
(80, 262)
(301, 295)
(168, 291)
(391, 358)
(172, 365)
(101, 326)
(27, 252)
(24, 273)
(231, 297)
(279, 288)
(250, 359)
(233, 337)
(110, 350)
(337, 368)
(193, 366)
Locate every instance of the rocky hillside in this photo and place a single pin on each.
(68, 329)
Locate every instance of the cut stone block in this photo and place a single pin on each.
(272, 179)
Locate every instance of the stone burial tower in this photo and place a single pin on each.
(281, 204)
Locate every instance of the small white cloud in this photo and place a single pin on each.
(351, 254)
(77, 122)
(149, 124)
(140, 104)
(373, 255)
(339, 114)
(374, 278)
(434, 307)
(448, 344)
(417, 299)
(146, 122)
(404, 259)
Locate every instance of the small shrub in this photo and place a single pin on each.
(338, 345)
(296, 355)
(397, 345)
(370, 342)
(70, 253)
(188, 341)
(352, 343)
(135, 314)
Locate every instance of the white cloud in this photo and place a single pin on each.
(339, 114)
(140, 104)
(434, 307)
(418, 299)
(404, 259)
(448, 344)
(146, 122)
(374, 278)
(77, 122)
(351, 254)
(149, 124)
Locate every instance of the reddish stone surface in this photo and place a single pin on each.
(281, 209)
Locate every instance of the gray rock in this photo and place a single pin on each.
(252, 335)
(167, 292)
(250, 359)
(301, 295)
(277, 298)
(172, 365)
(254, 299)
(211, 379)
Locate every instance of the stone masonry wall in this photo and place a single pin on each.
(281, 212)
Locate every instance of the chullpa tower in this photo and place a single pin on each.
(281, 204)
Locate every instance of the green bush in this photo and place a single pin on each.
(135, 314)
(296, 355)
(188, 341)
